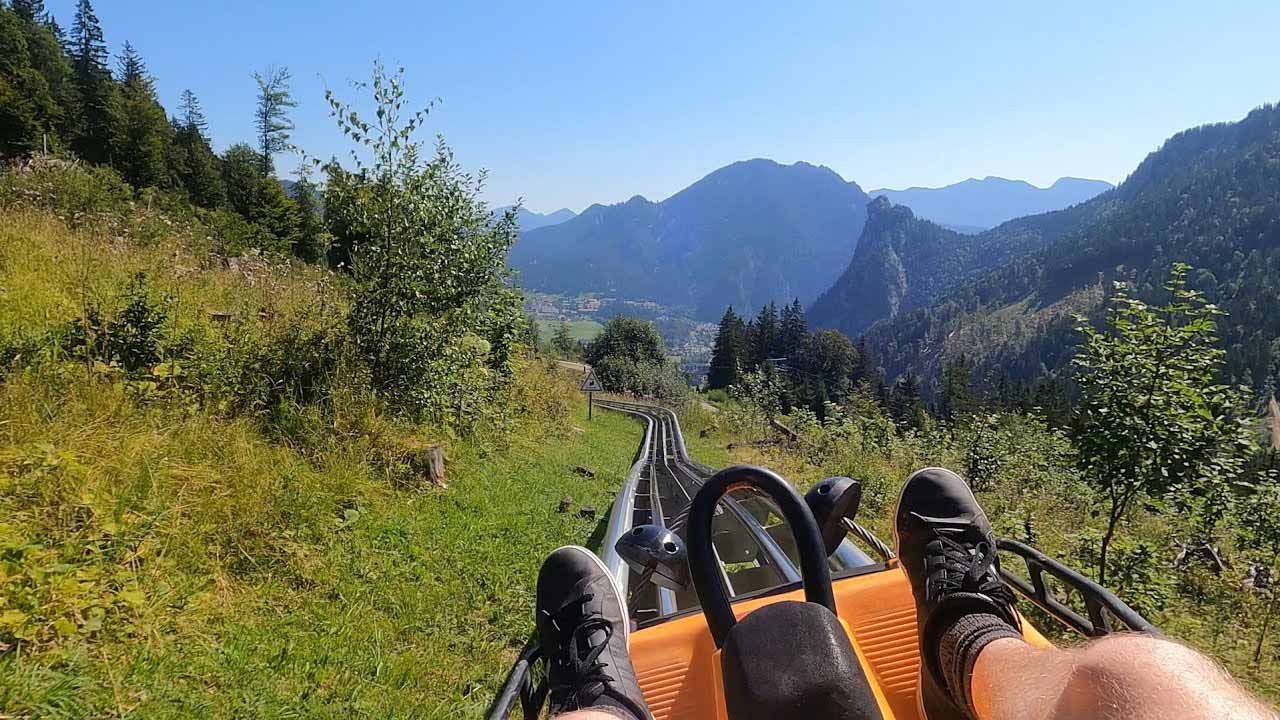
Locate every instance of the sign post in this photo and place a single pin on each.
(591, 385)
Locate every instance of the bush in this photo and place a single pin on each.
(75, 192)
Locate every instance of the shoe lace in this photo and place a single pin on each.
(576, 669)
(959, 566)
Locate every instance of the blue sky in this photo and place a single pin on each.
(567, 104)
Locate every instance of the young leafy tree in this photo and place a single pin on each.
(1153, 419)
(428, 253)
(241, 171)
(1259, 533)
(98, 113)
(271, 117)
(727, 353)
(145, 134)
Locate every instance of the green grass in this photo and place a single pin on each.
(356, 599)
(160, 558)
(584, 330)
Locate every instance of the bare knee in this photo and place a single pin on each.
(1140, 676)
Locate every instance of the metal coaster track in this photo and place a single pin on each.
(659, 490)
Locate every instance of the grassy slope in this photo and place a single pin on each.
(584, 330)
(176, 563)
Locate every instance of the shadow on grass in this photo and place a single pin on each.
(597, 535)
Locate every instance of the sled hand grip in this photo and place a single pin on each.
(705, 568)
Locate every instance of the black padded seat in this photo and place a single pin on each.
(793, 660)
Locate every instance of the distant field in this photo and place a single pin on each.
(584, 330)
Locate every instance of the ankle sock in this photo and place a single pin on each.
(959, 647)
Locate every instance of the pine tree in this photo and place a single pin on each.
(29, 10)
(98, 113)
(767, 334)
(271, 117)
(795, 328)
(145, 134)
(311, 242)
(192, 113)
(726, 354)
(865, 371)
(904, 400)
(956, 397)
(563, 341)
(195, 165)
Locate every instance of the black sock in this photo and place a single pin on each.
(959, 647)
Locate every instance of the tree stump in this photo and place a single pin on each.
(565, 503)
(426, 460)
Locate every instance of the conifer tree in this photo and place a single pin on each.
(145, 134)
(30, 10)
(794, 330)
(726, 354)
(767, 334)
(195, 164)
(98, 116)
(311, 241)
(271, 118)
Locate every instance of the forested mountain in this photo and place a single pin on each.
(528, 220)
(1209, 197)
(904, 262)
(973, 205)
(745, 235)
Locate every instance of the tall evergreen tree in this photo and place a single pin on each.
(767, 334)
(29, 10)
(727, 353)
(98, 116)
(310, 243)
(194, 163)
(956, 397)
(25, 105)
(904, 400)
(271, 117)
(794, 330)
(145, 134)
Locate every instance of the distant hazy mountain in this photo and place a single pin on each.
(529, 220)
(1209, 197)
(747, 234)
(974, 205)
(904, 262)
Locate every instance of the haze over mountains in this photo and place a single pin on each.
(528, 220)
(1209, 197)
(747, 234)
(975, 205)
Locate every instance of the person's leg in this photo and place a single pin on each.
(1125, 677)
(582, 629)
(974, 662)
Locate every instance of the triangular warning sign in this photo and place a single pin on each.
(591, 383)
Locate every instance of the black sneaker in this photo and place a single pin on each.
(947, 550)
(583, 629)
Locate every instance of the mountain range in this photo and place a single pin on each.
(528, 220)
(1008, 298)
(747, 234)
(974, 205)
